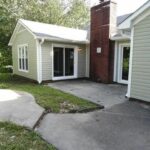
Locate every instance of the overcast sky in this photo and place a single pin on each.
(125, 6)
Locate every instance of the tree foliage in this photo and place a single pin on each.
(70, 13)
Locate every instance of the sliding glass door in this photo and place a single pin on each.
(123, 65)
(69, 62)
(58, 62)
(63, 62)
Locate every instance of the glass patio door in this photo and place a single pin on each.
(124, 64)
(63, 62)
(69, 62)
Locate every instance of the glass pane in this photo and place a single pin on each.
(125, 70)
(26, 64)
(23, 64)
(58, 61)
(26, 52)
(69, 62)
(23, 54)
(19, 63)
(25, 58)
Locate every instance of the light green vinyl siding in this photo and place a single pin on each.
(140, 82)
(47, 61)
(47, 58)
(21, 28)
(25, 38)
(82, 62)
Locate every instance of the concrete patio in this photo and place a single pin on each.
(125, 126)
(107, 95)
(19, 108)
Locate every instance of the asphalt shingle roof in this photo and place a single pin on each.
(122, 18)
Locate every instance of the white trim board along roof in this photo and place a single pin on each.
(126, 24)
(52, 32)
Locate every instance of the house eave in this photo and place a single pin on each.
(120, 38)
(63, 40)
(127, 24)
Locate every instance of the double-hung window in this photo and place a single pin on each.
(23, 57)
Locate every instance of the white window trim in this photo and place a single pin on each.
(75, 62)
(18, 46)
(119, 79)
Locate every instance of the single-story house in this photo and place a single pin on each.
(113, 49)
(44, 52)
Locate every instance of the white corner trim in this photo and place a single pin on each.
(39, 60)
(115, 62)
(130, 62)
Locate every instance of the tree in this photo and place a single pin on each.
(69, 13)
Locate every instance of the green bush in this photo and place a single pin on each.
(5, 70)
(3, 86)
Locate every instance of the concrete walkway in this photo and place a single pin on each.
(19, 108)
(104, 94)
(123, 127)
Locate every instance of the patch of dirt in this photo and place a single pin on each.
(67, 107)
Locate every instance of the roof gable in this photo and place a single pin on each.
(126, 24)
(51, 32)
(122, 18)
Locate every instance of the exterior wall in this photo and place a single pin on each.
(103, 21)
(87, 60)
(25, 38)
(82, 62)
(21, 28)
(47, 61)
(47, 58)
(140, 79)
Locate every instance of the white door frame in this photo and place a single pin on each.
(75, 62)
(120, 63)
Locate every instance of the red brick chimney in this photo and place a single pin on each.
(103, 24)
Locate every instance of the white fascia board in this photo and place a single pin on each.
(14, 34)
(27, 28)
(19, 23)
(127, 23)
(62, 40)
(141, 17)
(120, 38)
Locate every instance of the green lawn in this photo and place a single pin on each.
(45, 96)
(14, 137)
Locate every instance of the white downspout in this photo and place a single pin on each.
(39, 60)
